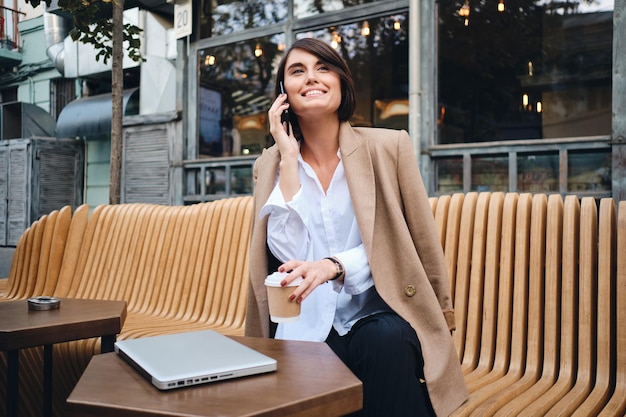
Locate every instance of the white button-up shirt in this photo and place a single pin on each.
(312, 226)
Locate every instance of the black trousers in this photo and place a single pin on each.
(383, 351)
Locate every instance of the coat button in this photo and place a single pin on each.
(410, 290)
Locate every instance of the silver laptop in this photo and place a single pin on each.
(191, 358)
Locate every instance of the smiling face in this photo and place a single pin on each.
(312, 88)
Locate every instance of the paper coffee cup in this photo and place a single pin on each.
(281, 309)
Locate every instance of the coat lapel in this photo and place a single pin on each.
(361, 181)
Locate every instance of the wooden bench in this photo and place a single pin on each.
(539, 294)
(179, 269)
(539, 290)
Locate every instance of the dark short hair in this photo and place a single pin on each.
(336, 64)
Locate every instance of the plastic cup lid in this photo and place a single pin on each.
(274, 280)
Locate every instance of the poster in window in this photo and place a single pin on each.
(210, 115)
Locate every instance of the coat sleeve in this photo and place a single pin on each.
(422, 226)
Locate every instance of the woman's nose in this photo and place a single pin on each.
(311, 79)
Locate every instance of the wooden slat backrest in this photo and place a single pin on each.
(71, 271)
(142, 216)
(98, 271)
(56, 251)
(521, 379)
(238, 289)
(151, 260)
(237, 307)
(205, 246)
(183, 264)
(217, 301)
(196, 261)
(150, 282)
(72, 248)
(222, 290)
(440, 211)
(526, 391)
(53, 250)
(487, 373)
(617, 403)
(38, 259)
(519, 317)
(451, 247)
(489, 314)
(89, 258)
(475, 288)
(31, 264)
(117, 279)
(520, 285)
(162, 299)
(586, 353)
(463, 268)
(568, 312)
(44, 253)
(210, 265)
(605, 323)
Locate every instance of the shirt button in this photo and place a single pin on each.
(410, 290)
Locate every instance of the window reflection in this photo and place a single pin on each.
(490, 173)
(304, 8)
(449, 175)
(538, 173)
(524, 70)
(221, 17)
(376, 51)
(236, 83)
(589, 171)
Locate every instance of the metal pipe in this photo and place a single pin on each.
(56, 29)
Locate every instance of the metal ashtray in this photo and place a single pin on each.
(43, 303)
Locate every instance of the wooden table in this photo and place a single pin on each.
(310, 381)
(75, 319)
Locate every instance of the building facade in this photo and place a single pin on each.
(497, 95)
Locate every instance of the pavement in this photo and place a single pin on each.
(6, 257)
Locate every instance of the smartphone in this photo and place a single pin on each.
(285, 116)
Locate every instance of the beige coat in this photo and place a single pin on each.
(401, 242)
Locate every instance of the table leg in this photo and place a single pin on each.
(47, 380)
(12, 382)
(106, 343)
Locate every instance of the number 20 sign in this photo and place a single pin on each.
(182, 18)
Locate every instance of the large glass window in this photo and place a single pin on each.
(235, 90)
(236, 83)
(376, 51)
(524, 69)
(305, 8)
(222, 17)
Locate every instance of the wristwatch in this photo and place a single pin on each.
(339, 266)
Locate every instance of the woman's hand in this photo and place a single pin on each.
(287, 143)
(287, 146)
(313, 273)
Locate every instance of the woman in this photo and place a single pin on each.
(345, 209)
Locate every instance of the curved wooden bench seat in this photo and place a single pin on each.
(538, 285)
(616, 405)
(550, 340)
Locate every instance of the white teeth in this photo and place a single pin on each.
(313, 92)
